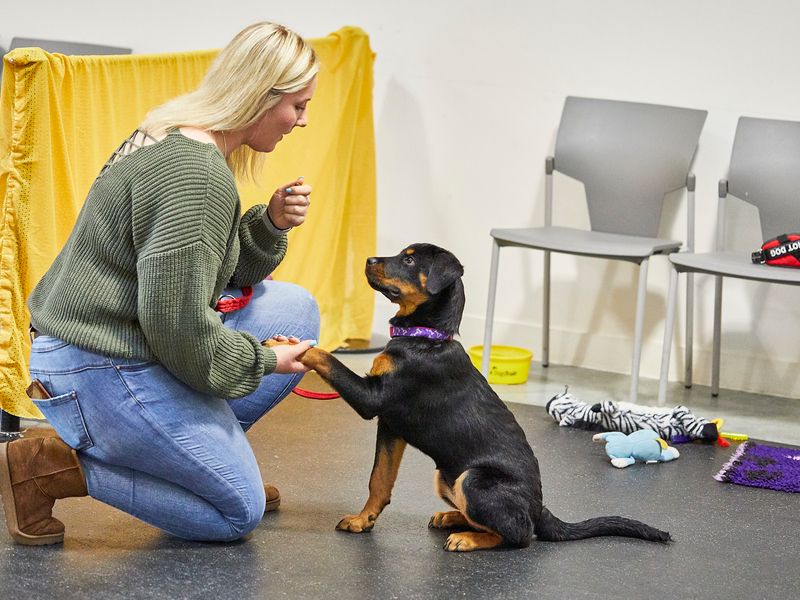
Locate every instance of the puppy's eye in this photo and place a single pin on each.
(408, 260)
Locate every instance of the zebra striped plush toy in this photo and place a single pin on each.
(670, 423)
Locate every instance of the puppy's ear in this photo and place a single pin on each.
(443, 272)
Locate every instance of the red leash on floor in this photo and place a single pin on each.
(231, 303)
(315, 395)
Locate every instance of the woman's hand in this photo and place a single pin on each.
(288, 350)
(289, 204)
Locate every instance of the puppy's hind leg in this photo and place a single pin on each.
(493, 507)
(449, 519)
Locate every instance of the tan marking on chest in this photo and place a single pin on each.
(382, 365)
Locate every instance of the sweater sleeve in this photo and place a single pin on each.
(261, 250)
(182, 233)
(186, 334)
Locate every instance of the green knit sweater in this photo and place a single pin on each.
(159, 237)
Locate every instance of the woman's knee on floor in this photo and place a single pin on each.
(239, 519)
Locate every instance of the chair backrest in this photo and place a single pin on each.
(629, 156)
(66, 47)
(765, 171)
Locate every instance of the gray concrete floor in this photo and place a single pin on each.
(731, 541)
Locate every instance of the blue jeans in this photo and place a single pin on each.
(159, 450)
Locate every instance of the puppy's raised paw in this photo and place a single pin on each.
(280, 340)
(319, 360)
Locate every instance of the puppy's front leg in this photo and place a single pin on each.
(361, 393)
(388, 454)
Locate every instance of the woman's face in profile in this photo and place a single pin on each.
(280, 120)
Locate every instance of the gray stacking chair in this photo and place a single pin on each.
(765, 172)
(628, 156)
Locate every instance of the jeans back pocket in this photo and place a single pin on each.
(64, 414)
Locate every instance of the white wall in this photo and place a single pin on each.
(467, 99)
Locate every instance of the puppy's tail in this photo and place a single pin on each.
(550, 528)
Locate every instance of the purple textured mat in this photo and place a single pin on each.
(760, 465)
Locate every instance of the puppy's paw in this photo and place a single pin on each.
(360, 523)
(446, 520)
(317, 359)
(459, 542)
(467, 541)
(280, 341)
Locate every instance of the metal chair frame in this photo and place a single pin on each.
(609, 146)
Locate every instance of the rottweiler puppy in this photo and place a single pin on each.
(426, 392)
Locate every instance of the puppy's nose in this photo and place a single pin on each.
(372, 260)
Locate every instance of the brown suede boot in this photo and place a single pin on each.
(273, 497)
(34, 473)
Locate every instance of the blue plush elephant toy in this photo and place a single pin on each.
(643, 445)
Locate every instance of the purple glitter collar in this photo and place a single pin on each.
(427, 332)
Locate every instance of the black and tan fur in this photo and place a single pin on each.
(427, 393)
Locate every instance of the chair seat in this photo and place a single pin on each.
(734, 264)
(587, 243)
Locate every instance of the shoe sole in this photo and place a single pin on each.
(10, 508)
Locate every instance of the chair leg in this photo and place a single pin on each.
(687, 374)
(666, 349)
(487, 332)
(546, 311)
(717, 336)
(637, 335)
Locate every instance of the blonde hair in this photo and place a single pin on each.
(262, 63)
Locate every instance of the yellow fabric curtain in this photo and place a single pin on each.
(62, 116)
